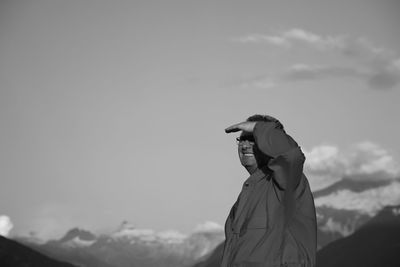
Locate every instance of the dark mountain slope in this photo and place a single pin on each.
(376, 244)
(13, 254)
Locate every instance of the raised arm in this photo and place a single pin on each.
(287, 158)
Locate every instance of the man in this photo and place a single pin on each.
(273, 222)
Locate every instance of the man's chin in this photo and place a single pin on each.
(248, 162)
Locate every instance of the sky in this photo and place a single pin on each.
(116, 110)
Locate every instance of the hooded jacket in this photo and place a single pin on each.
(273, 222)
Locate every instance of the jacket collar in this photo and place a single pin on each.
(258, 175)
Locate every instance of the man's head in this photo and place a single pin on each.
(266, 118)
(250, 156)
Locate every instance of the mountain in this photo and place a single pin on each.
(368, 199)
(352, 184)
(377, 243)
(213, 259)
(334, 224)
(129, 246)
(348, 204)
(78, 234)
(14, 254)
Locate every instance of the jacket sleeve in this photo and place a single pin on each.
(287, 158)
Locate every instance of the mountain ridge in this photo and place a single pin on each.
(129, 245)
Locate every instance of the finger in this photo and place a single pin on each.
(233, 128)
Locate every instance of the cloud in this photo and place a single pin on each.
(326, 164)
(259, 38)
(368, 202)
(208, 227)
(5, 225)
(307, 72)
(380, 78)
(323, 166)
(260, 82)
(291, 37)
(172, 236)
(369, 159)
(378, 67)
(385, 77)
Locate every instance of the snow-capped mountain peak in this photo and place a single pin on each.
(171, 237)
(78, 242)
(126, 225)
(128, 232)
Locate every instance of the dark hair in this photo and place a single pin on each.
(267, 118)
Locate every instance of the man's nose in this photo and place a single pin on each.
(249, 142)
(246, 144)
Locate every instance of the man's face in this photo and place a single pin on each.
(246, 147)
